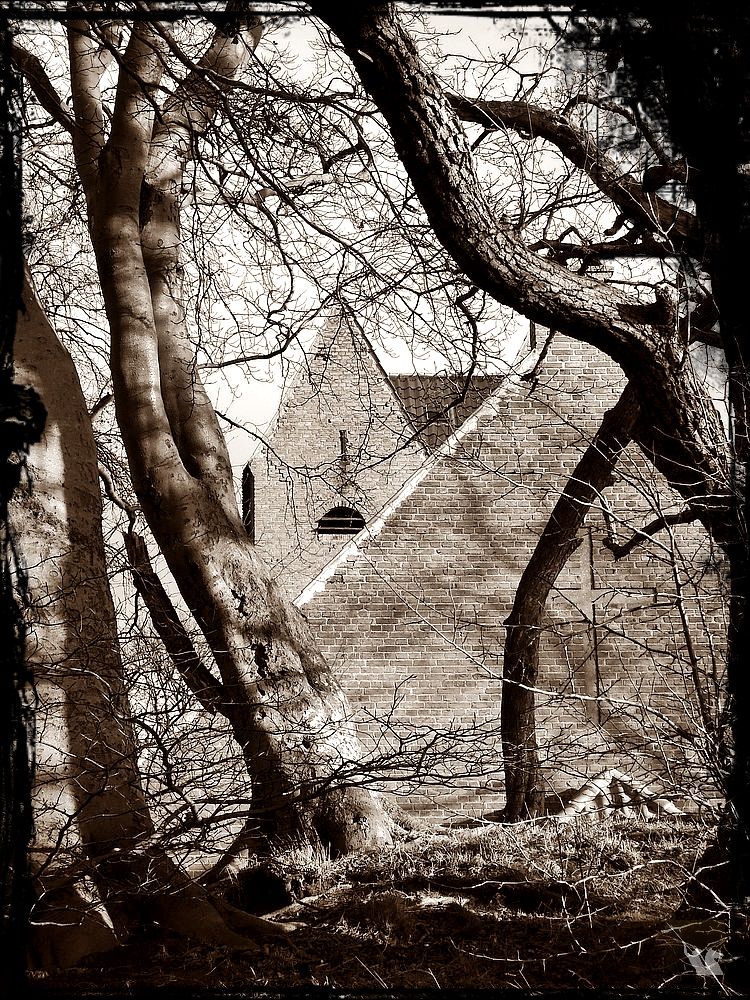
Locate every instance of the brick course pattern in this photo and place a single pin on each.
(301, 473)
(411, 615)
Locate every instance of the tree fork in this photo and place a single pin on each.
(291, 717)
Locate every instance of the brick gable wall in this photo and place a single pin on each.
(301, 475)
(412, 622)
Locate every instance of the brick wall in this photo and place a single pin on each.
(302, 474)
(412, 620)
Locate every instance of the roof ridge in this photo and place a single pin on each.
(326, 334)
(296, 367)
(438, 403)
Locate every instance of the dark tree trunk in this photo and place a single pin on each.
(692, 74)
(730, 270)
(21, 424)
(708, 116)
(592, 474)
(681, 432)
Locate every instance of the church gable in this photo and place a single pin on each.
(347, 437)
(342, 445)
(411, 614)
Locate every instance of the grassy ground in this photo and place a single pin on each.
(583, 906)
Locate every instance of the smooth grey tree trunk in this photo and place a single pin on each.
(98, 871)
(287, 710)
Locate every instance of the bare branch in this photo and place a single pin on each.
(110, 491)
(652, 528)
(584, 152)
(141, 71)
(675, 169)
(209, 692)
(35, 75)
(99, 405)
(590, 252)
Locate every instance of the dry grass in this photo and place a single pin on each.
(540, 907)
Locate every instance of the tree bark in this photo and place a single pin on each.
(728, 212)
(288, 712)
(558, 541)
(98, 874)
(87, 797)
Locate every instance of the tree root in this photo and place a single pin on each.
(209, 921)
(127, 893)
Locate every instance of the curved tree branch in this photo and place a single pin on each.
(558, 541)
(589, 252)
(673, 169)
(648, 531)
(44, 90)
(680, 429)
(678, 227)
(209, 691)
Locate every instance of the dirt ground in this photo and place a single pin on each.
(587, 906)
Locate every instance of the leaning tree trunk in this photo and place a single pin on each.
(558, 541)
(290, 715)
(729, 219)
(682, 434)
(97, 872)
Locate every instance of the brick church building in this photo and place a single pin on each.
(399, 513)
